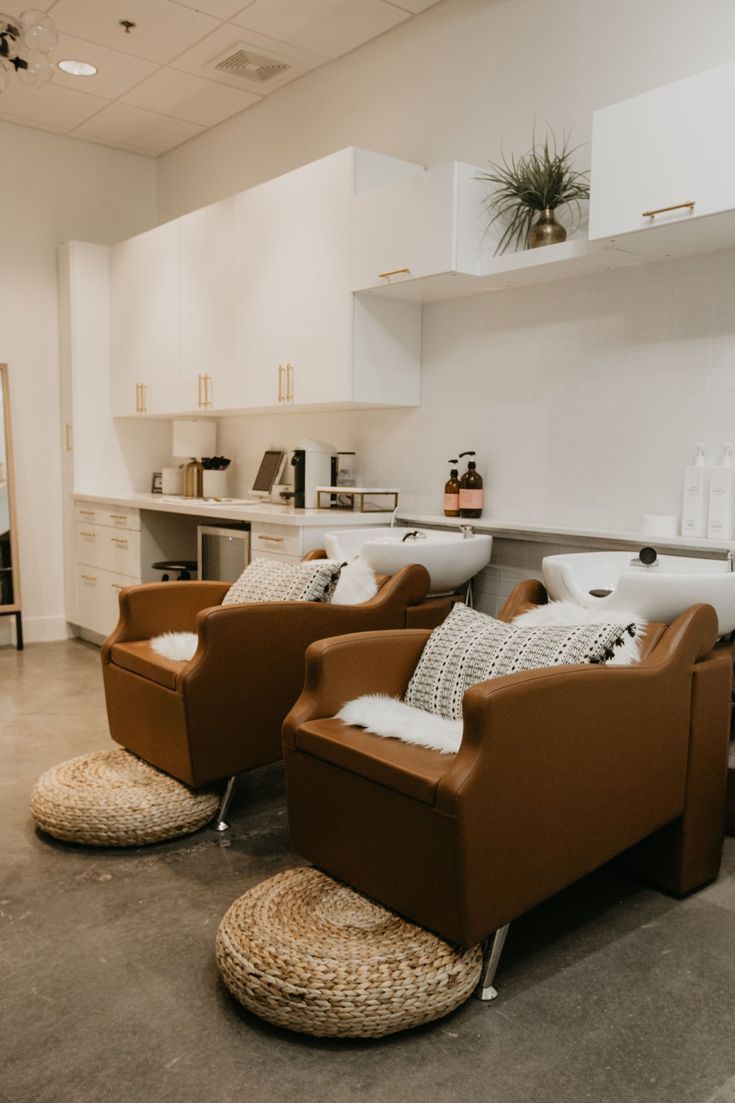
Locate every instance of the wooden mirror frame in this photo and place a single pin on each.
(14, 608)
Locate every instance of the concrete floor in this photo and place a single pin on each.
(109, 992)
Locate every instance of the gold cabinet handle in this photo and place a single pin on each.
(271, 539)
(663, 210)
(207, 390)
(281, 372)
(87, 512)
(394, 272)
(200, 403)
(119, 540)
(67, 429)
(140, 398)
(90, 535)
(289, 382)
(137, 398)
(89, 577)
(119, 516)
(117, 586)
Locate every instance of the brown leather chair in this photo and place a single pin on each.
(559, 770)
(221, 712)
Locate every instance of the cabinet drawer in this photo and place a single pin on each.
(277, 556)
(97, 598)
(283, 539)
(117, 517)
(109, 549)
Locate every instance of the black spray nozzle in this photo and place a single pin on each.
(467, 454)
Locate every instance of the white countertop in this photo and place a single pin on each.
(564, 534)
(235, 510)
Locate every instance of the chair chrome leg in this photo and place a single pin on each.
(224, 808)
(493, 950)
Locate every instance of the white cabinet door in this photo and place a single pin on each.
(208, 275)
(127, 277)
(664, 149)
(423, 225)
(161, 318)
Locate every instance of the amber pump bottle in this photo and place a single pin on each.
(451, 492)
(470, 490)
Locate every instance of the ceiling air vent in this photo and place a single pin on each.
(240, 61)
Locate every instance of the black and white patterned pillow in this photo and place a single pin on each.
(470, 647)
(272, 580)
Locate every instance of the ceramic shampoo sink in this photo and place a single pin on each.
(450, 559)
(659, 592)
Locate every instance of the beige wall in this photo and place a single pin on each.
(53, 189)
(452, 83)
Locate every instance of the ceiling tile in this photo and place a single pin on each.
(134, 128)
(327, 27)
(191, 98)
(199, 59)
(413, 6)
(17, 7)
(61, 108)
(220, 9)
(117, 73)
(163, 30)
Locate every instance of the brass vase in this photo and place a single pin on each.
(545, 230)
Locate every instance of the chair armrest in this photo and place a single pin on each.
(344, 667)
(156, 607)
(523, 596)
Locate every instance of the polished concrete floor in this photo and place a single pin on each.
(109, 991)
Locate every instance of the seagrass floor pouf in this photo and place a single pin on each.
(113, 798)
(310, 954)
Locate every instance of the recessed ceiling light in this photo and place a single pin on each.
(77, 68)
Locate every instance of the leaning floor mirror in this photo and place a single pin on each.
(9, 564)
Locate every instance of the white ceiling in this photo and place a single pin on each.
(156, 86)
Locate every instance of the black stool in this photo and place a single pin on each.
(183, 566)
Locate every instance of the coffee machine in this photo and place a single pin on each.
(312, 464)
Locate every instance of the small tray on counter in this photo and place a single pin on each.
(358, 498)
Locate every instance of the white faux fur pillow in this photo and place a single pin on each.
(176, 645)
(568, 612)
(394, 719)
(357, 583)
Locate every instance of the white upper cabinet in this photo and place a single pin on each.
(208, 289)
(302, 338)
(661, 162)
(428, 223)
(144, 325)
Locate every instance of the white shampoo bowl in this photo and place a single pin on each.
(657, 593)
(450, 558)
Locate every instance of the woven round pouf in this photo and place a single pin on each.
(112, 798)
(307, 953)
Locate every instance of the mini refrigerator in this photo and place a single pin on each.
(223, 552)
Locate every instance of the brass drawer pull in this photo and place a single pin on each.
(207, 390)
(140, 398)
(281, 372)
(89, 577)
(67, 429)
(119, 516)
(117, 586)
(91, 535)
(119, 540)
(272, 539)
(87, 512)
(289, 382)
(394, 272)
(663, 210)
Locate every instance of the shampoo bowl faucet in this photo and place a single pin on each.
(467, 531)
(414, 535)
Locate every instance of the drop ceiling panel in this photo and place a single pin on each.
(16, 7)
(229, 37)
(220, 9)
(116, 72)
(61, 108)
(184, 96)
(326, 27)
(124, 125)
(163, 30)
(414, 6)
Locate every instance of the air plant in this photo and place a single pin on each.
(544, 178)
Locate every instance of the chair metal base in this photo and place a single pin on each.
(485, 990)
(224, 808)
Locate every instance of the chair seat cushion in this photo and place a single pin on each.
(139, 657)
(413, 771)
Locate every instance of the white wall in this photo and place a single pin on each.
(583, 399)
(53, 189)
(452, 83)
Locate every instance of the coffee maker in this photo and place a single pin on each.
(312, 464)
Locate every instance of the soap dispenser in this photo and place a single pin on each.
(695, 499)
(721, 524)
(470, 490)
(451, 492)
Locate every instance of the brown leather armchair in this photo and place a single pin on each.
(221, 712)
(559, 770)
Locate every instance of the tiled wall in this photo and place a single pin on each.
(583, 398)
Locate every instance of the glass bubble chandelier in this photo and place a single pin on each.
(25, 45)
